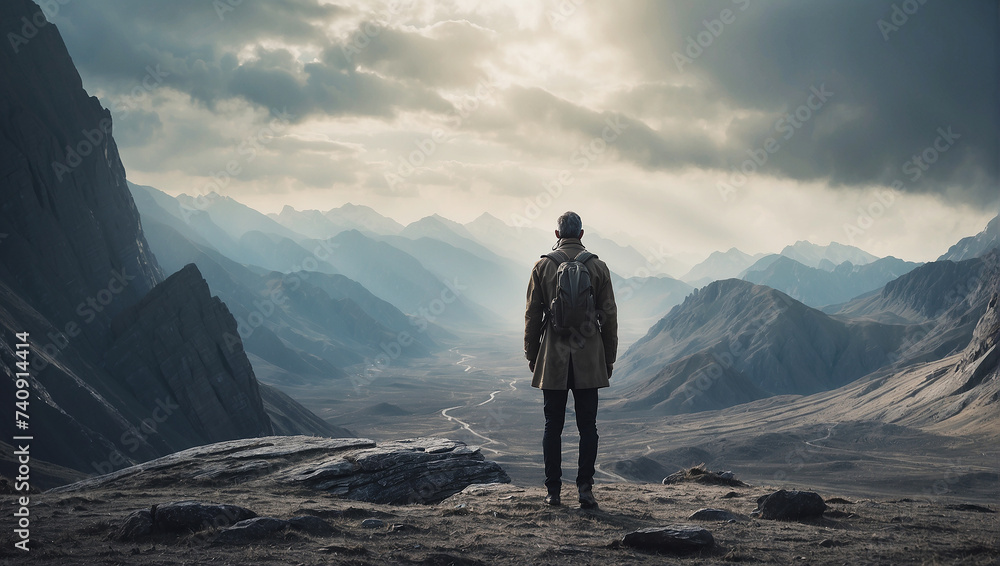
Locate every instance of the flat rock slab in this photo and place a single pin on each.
(417, 470)
(674, 539)
(710, 514)
(785, 505)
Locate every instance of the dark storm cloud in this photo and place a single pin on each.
(895, 83)
(196, 48)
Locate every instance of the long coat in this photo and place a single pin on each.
(590, 352)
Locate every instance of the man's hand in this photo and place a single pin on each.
(531, 367)
(610, 366)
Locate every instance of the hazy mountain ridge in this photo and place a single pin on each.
(322, 225)
(281, 326)
(720, 265)
(232, 216)
(644, 300)
(833, 254)
(919, 296)
(817, 287)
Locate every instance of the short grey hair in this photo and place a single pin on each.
(569, 225)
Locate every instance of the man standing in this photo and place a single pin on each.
(570, 343)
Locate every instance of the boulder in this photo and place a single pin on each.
(789, 506)
(709, 514)
(194, 516)
(699, 474)
(137, 525)
(674, 539)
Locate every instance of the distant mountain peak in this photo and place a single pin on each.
(975, 246)
(812, 255)
(487, 217)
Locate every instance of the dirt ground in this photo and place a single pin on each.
(511, 525)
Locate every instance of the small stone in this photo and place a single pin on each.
(839, 501)
(828, 543)
(673, 539)
(373, 523)
(401, 527)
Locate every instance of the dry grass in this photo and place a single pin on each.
(512, 525)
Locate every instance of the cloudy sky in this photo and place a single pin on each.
(695, 125)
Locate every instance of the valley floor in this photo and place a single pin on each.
(480, 392)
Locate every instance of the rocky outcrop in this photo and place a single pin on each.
(179, 343)
(981, 357)
(420, 470)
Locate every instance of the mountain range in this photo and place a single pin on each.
(191, 311)
(734, 342)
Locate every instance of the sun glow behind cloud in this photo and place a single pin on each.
(460, 108)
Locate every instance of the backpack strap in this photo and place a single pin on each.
(558, 256)
(563, 257)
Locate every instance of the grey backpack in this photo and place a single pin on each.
(573, 307)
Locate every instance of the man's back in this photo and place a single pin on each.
(590, 351)
(577, 356)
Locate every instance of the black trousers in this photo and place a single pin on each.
(585, 405)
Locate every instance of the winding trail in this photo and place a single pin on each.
(829, 433)
(611, 475)
(465, 425)
(465, 358)
(492, 397)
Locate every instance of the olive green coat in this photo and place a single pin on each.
(590, 352)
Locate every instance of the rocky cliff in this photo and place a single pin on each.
(74, 246)
(124, 367)
(181, 343)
